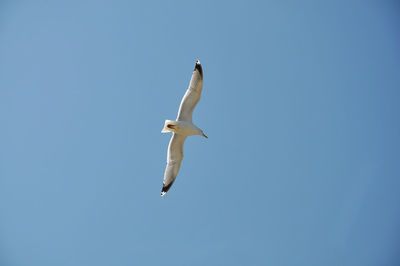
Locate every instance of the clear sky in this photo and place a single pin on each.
(300, 103)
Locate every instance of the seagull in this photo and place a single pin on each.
(182, 127)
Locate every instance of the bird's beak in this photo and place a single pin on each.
(204, 135)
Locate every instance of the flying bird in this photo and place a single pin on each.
(182, 127)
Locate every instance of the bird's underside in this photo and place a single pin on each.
(182, 128)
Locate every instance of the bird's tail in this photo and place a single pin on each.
(167, 126)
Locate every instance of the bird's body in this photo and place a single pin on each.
(182, 128)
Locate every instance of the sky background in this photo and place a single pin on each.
(300, 103)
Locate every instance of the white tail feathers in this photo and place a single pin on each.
(165, 128)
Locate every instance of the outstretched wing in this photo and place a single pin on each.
(174, 160)
(192, 95)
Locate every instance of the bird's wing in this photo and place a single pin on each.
(174, 159)
(192, 95)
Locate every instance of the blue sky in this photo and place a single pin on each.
(300, 103)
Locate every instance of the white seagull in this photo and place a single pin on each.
(182, 127)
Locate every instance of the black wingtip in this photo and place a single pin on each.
(166, 188)
(199, 68)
